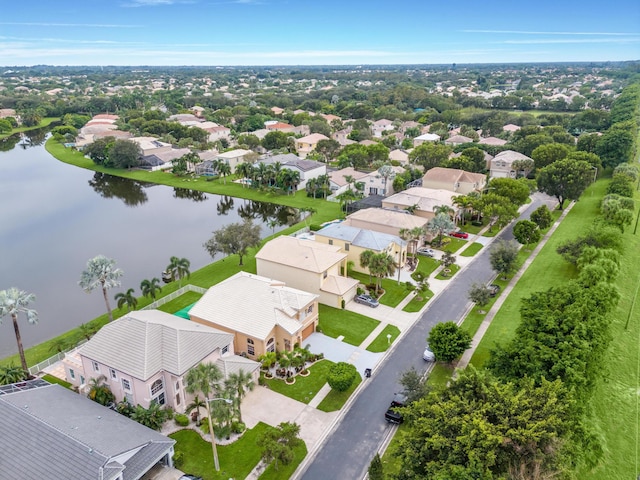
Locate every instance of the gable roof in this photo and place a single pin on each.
(360, 237)
(252, 305)
(337, 176)
(65, 435)
(428, 137)
(510, 156)
(425, 198)
(239, 152)
(458, 139)
(387, 218)
(492, 141)
(145, 342)
(313, 138)
(301, 254)
(452, 176)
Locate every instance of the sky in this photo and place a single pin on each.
(315, 32)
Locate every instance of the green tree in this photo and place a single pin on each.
(365, 260)
(124, 154)
(127, 298)
(516, 191)
(150, 288)
(616, 211)
(549, 153)
(341, 376)
(13, 302)
(565, 179)
(541, 216)
(479, 294)
(99, 391)
(447, 341)
(178, 268)
(278, 443)
(239, 384)
(376, 469)
(414, 386)
(98, 151)
(234, 239)
(327, 148)
(87, 330)
(503, 257)
(381, 266)
(194, 406)
(500, 210)
(275, 140)
(12, 374)
(224, 169)
(152, 417)
(439, 225)
(101, 272)
(615, 146)
(526, 232)
(429, 155)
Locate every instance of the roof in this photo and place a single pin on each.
(428, 137)
(388, 218)
(425, 198)
(458, 139)
(399, 155)
(313, 138)
(148, 341)
(234, 363)
(337, 176)
(292, 160)
(338, 285)
(278, 126)
(492, 141)
(239, 152)
(360, 237)
(301, 254)
(452, 176)
(271, 303)
(510, 127)
(65, 435)
(383, 122)
(510, 156)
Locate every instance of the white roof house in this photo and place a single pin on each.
(424, 199)
(425, 137)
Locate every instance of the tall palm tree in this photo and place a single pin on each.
(196, 405)
(239, 383)
(12, 302)
(365, 260)
(224, 169)
(150, 288)
(205, 379)
(179, 268)
(127, 299)
(382, 265)
(101, 272)
(245, 171)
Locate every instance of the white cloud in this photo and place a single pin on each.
(574, 40)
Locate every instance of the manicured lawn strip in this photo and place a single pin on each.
(454, 269)
(236, 459)
(181, 302)
(454, 245)
(393, 293)
(305, 388)
(440, 374)
(59, 381)
(492, 232)
(391, 459)
(335, 400)
(285, 471)
(473, 229)
(381, 343)
(426, 266)
(416, 303)
(355, 327)
(471, 250)
(46, 121)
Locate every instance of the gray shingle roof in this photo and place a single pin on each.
(147, 341)
(360, 237)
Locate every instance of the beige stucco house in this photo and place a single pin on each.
(310, 266)
(233, 157)
(306, 145)
(421, 200)
(264, 315)
(384, 220)
(454, 180)
(501, 165)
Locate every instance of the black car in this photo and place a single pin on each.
(392, 415)
(493, 289)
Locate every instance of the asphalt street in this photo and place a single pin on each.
(349, 448)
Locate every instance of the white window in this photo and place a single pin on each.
(72, 374)
(156, 386)
(126, 385)
(113, 374)
(250, 347)
(96, 367)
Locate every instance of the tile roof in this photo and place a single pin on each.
(452, 176)
(338, 285)
(426, 198)
(388, 218)
(492, 141)
(147, 341)
(234, 363)
(302, 254)
(252, 305)
(313, 138)
(510, 156)
(239, 152)
(337, 176)
(360, 237)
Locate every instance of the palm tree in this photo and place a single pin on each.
(179, 268)
(240, 383)
(127, 299)
(365, 260)
(439, 224)
(382, 265)
(267, 359)
(195, 405)
(205, 379)
(99, 391)
(58, 345)
(245, 171)
(150, 288)
(224, 169)
(101, 272)
(12, 374)
(12, 302)
(87, 331)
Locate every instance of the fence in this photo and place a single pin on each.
(51, 360)
(174, 295)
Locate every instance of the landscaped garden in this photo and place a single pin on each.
(393, 293)
(305, 387)
(354, 327)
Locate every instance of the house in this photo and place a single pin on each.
(425, 137)
(279, 127)
(277, 110)
(330, 118)
(384, 220)
(52, 432)
(501, 165)
(310, 266)
(492, 141)
(151, 145)
(307, 169)
(338, 182)
(306, 145)
(162, 160)
(379, 126)
(233, 157)
(264, 315)
(341, 137)
(399, 156)
(373, 183)
(198, 111)
(422, 200)
(458, 140)
(510, 127)
(146, 354)
(353, 241)
(454, 180)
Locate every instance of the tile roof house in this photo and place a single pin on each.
(146, 354)
(233, 157)
(379, 126)
(353, 241)
(452, 179)
(425, 137)
(510, 127)
(277, 110)
(501, 164)
(399, 156)
(51, 432)
(458, 140)
(306, 145)
(384, 220)
(492, 141)
(425, 200)
(307, 169)
(309, 266)
(261, 313)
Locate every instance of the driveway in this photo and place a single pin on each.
(338, 351)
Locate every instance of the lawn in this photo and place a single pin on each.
(381, 343)
(335, 322)
(440, 375)
(59, 381)
(426, 266)
(46, 121)
(454, 245)
(393, 293)
(177, 304)
(305, 388)
(335, 400)
(471, 250)
(454, 269)
(391, 459)
(417, 302)
(285, 471)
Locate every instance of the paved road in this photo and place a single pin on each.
(348, 450)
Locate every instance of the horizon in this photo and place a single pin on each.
(259, 33)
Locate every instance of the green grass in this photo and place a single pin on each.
(381, 343)
(454, 245)
(471, 250)
(45, 122)
(492, 232)
(440, 374)
(417, 302)
(353, 326)
(305, 388)
(285, 471)
(391, 458)
(454, 269)
(180, 302)
(59, 381)
(473, 229)
(426, 266)
(335, 400)
(393, 293)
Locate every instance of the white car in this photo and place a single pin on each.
(428, 355)
(427, 252)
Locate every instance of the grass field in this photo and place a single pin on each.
(417, 302)
(45, 122)
(381, 343)
(353, 326)
(305, 388)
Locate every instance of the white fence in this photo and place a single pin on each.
(176, 294)
(51, 360)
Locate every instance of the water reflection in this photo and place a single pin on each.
(34, 138)
(131, 192)
(9, 143)
(224, 205)
(188, 194)
(269, 212)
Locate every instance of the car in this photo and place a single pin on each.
(427, 252)
(459, 234)
(367, 300)
(493, 289)
(189, 477)
(428, 355)
(392, 415)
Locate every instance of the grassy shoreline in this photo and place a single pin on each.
(45, 122)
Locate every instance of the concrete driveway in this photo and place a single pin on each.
(338, 351)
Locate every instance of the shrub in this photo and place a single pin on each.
(178, 459)
(181, 419)
(204, 425)
(341, 376)
(314, 227)
(621, 185)
(238, 427)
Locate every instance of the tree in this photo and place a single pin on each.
(278, 443)
(13, 302)
(503, 257)
(549, 153)
(205, 378)
(234, 239)
(87, 330)
(239, 383)
(526, 232)
(195, 406)
(517, 191)
(178, 268)
(430, 155)
(98, 151)
(127, 299)
(275, 140)
(152, 417)
(615, 146)
(224, 169)
(479, 294)
(440, 224)
(525, 166)
(365, 260)
(101, 272)
(99, 391)
(413, 385)
(12, 374)
(327, 148)
(150, 288)
(376, 469)
(541, 216)
(382, 265)
(124, 154)
(500, 210)
(447, 341)
(341, 376)
(616, 211)
(448, 260)
(565, 179)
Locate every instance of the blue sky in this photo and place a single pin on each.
(313, 32)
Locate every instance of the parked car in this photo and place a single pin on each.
(427, 252)
(367, 300)
(391, 415)
(189, 477)
(493, 289)
(459, 234)
(428, 355)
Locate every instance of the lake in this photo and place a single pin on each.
(54, 217)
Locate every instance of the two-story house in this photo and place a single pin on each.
(454, 180)
(502, 164)
(422, 201)
(306, 145)
(307, 169)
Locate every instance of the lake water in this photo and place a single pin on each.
(54, 217)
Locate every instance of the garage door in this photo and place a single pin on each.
(307, 331)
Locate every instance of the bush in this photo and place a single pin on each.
(341, 376)
(178, 459)
(238, 427)
(181, 419)
(542, 217)
(314, 227)
(204, 425)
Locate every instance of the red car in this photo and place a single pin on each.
(459, 234)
